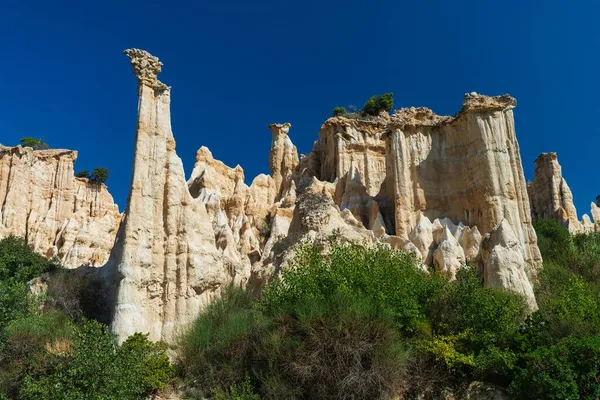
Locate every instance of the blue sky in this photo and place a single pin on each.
(237, 66)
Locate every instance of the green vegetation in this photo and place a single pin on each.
(367, 321)
(377, 104)
(339, 112)
(49, 350)
(371, 109)
(99, 174)
(36, 144)
(359, 321)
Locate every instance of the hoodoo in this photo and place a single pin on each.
(166, 263)
(449, 189)
(58, 214)
(551, 197)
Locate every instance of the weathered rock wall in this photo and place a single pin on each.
(346, 144)
(57, 213)
(551, 198)
(165, 264)
(449, 189)
(467, 168)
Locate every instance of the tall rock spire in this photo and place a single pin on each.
(165, 261)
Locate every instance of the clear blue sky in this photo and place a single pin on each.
(237, 66)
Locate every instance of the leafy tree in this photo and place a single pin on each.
(36, 144)
(569, 369)
(18, 264)
(83, 174)
(19, 261)
(94, 368)
(339, 112)
(376, 104)
(99, 174)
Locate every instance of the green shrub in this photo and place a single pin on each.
(476, 328)
(94, 368)
(339, 112)
(19, 261)
(568, 291)
(390, 278)
(99, 174)
(15, 301)
(241, 391)
(377, 104)
(215, 351)
(36, 144)
(318, 349)
(25, 339)
(568, 370)
(83, 174)
(18, 264)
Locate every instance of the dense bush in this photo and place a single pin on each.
(92, 367)
(49, 351)
(18, 264)
(358, 320)
(99, 174)
(36, 144)
(569, 369)
(389, 278)
(25, 341)
(339, 112)
(377, 104)
(83, 174)
(19, 261)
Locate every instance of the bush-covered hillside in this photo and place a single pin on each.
(366, 323)
(356, 323)
(50, 349)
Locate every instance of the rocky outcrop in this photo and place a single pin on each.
(350, 144)
(166, 263)
(504, 264)
(551, 197)
(283, 158)
(450, 190)
(466, 168)
(55, 212)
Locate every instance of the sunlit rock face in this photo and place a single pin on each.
(551, 197)
(450, 190)
(56, 213)
(166, 262)
(466, 168)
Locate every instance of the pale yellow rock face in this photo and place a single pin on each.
(165, 263)
(503, 263)
(283, 158)
(467, 168)
(551, 198)
(346, 144)
(549, 194)
(57, 213)
(450, 190)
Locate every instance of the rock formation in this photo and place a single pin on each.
(503, 262)
(55, 212)
(551, 198)
(450, 190)
(466, 168)
(166, 262)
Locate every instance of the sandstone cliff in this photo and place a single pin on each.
(168, 260)
(449, 189)
(57, 213)
(551, 197)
